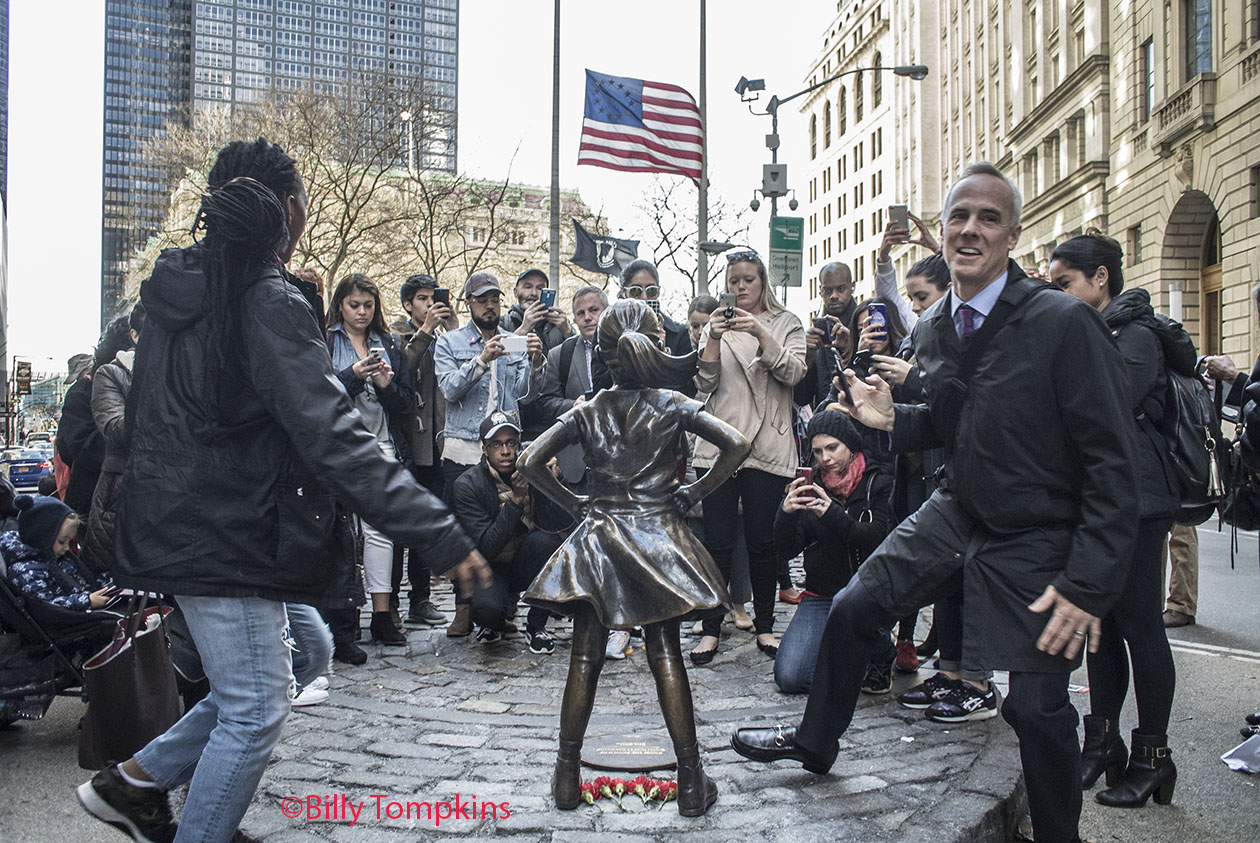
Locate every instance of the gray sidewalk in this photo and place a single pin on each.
(447, 718)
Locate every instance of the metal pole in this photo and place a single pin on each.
(773, 107)
(553, 262)
(702, 223)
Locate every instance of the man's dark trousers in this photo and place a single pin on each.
(929, 551)
(432, 478)
(492, 606)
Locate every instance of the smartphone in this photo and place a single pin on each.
(899, 215)
(442, 296)
(844, 382)
(808, 474)
(824, 324)
(378, 353)
(548, 297)
(655, 304)
(879, 316)
(728, 301)
(861, 362)
(513, 343)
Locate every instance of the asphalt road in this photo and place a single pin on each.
(1218, 667)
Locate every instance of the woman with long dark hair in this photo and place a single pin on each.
(369, 364)
(242, 443)
(632, 561)
(1089, 267)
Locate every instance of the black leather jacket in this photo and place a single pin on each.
(245, 507)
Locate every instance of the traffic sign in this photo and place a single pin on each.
(787, 249)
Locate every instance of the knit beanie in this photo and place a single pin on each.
(837, 424)
(40, 520)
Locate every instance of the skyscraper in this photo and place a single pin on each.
(4, 103)
(165, 55)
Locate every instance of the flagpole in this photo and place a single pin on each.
(553, 263)
(702, 227)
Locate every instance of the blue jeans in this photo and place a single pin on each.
(798, 648)
(223, 743)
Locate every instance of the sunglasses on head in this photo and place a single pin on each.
(745, 255)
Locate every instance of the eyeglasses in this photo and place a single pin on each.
(745, 255)
(637, 292)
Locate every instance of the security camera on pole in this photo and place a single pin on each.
(786, 233)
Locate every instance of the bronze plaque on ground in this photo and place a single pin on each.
(633, 753)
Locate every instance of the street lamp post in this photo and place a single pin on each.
(407, 118)
(774, 175)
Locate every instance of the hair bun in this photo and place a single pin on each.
(23, 502)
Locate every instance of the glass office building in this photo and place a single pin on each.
(236, 52)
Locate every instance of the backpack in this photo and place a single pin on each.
(1190, 426)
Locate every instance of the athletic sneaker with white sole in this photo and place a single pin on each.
(141, 812)
(311, 695)
(618, 641)
(965, 702)
(934, 689)
(319, 683)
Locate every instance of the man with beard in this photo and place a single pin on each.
(529, 315)
(478, 374)
(836, 287)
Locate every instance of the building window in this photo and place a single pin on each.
(1255, 192)
(877, 84)
(857, 99)
(1134, 245)
(827, 127)
(813, 137)
(844, 112)
(1196, 17)
(1147, 80)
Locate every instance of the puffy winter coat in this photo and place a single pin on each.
(109, 401)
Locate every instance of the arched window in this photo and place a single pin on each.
(844, 112)
(857, 100)
(877, 83)
(813, 137)
(827, 126)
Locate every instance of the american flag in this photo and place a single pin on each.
(638, 126)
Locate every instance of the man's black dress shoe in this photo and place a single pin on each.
(778, 743)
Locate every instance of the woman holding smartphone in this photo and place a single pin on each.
(751, 355)
(370, 366)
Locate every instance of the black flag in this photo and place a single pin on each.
(598, 253)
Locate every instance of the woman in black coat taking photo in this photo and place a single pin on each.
(1089, 267)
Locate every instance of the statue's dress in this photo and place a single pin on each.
(632, 557)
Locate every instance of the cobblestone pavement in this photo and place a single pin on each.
(447, 718)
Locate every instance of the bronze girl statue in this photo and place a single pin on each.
(632, 561)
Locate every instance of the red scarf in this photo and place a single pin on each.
(840, 484)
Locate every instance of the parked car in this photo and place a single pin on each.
(39, 437)
(25, 466)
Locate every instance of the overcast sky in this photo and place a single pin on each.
(505, 67)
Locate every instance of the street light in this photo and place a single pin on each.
(774, 174)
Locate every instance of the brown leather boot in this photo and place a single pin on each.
(462, 625)
(566, 784)
(696, 791)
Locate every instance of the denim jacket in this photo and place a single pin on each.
(466, 383)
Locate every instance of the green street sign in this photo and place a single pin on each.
(787, 247)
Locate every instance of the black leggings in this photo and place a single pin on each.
(1137, 620)
(761, 494)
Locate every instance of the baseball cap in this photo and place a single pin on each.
(533, 271)
(481, 283)
(495, 421)
(77, 366)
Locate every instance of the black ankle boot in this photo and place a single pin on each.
(566, 783)
(696, 791)
(384, 631)
(1103, 751)
(1151, 771)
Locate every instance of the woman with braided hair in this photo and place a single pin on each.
(632, 561)
(242, 440)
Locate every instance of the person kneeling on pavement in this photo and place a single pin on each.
(513, 528)
(838, 519)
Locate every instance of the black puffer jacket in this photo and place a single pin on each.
(245, 507)
(1131, 320)
(109, 398)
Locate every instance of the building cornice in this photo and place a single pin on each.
(1053, 199)
(1035, 121)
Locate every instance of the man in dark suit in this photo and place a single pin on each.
(572, 374)
(1037, 506)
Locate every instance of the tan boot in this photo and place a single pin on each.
(462, 625)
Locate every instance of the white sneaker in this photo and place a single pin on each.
(319, 683)
(311, 696)
(618, 640)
